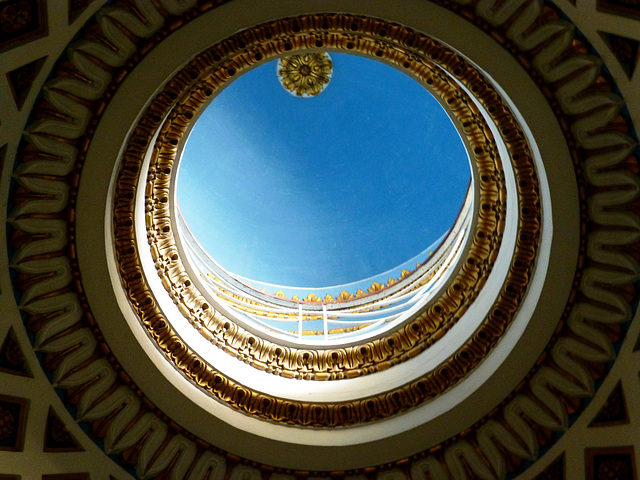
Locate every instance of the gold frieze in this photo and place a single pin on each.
(184, 95)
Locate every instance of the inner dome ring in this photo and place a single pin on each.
(488, 228)
(479, 141)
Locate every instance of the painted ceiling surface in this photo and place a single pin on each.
(326, 190)
(95, 383)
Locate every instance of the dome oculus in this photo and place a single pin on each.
(324, 199)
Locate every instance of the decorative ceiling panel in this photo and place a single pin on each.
(618, 463)
(12, 358)
(21, 80)
(625, 50)
(22, 21)
(13, 422)
(614, 410)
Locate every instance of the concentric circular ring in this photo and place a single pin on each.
(161, 131)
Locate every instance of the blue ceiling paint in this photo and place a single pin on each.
(326, 190)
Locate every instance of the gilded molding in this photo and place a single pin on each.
(179, 102)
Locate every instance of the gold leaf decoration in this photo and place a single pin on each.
(344, 295)
(312, 298)
(305, 75)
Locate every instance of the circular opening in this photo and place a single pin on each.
(309, 196)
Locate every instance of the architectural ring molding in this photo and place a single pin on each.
(151, 145)
(427, 325)
(191, 89)
(578, 342)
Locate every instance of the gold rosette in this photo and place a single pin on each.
(305, 75)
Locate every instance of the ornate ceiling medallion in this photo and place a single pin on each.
(305, 75)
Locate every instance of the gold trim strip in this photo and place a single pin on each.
(193, 87)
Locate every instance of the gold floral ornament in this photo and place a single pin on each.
(305, 75)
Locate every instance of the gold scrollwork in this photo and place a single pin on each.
(7, 424)
(436, 67)
(305, 75)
